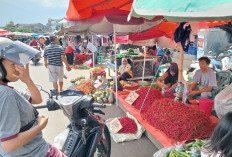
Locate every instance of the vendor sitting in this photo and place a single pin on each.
(125, 70)
(204, 80)
(169, 78)
(152, 51)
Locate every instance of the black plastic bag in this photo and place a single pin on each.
(119, 85)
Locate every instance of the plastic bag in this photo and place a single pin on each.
(60, 139)
(163, 151)
(223, 101)
(88, 62)
(126, 137)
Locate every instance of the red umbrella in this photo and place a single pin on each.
(4, 33)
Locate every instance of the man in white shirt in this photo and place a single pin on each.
(90, 50)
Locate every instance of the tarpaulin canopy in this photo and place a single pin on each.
(164, 31)
(182, 10)
(79, 9)
(102, 22)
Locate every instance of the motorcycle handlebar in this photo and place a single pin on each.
(40, 106)
(98, 105)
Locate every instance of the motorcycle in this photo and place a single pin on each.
(218, 63)
(88, 136)
(167, 58)
(37, 58)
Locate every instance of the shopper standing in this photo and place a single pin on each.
(53, 57)
(91, 50)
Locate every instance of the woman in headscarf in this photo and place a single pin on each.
(169, 78)
(125, 70)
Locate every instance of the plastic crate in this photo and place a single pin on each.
(192, 50)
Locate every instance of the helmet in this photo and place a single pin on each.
(15, 51)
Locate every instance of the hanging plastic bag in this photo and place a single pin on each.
(60, 139)
(223, 101)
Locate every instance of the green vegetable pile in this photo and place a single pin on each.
(153, 85)
(101, 96)
(121, 55)
(77, 79)
(192, 149)
(130, 50)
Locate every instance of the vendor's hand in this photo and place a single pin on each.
(193, 93)
(189, 91)
(23, 73)
(46, 65)
(42, 121)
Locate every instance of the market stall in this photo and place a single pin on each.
(162, 129)
(137, 67)
(166, 120)
(80, 59)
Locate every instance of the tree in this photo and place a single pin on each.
(11, 23)
(13, 29)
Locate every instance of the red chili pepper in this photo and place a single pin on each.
(177, 120)
(128, 125)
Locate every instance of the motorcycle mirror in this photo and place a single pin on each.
(210, 52)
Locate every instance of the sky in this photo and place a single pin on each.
(31, 11)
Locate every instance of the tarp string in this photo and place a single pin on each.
(154, 77)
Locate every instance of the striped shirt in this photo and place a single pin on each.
(53, 53)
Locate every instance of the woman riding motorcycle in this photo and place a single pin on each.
(20, 126)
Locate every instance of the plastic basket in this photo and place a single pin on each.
(206, 105)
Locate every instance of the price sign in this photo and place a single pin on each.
(130, 99)
(115, 125)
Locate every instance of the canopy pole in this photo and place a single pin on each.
(116, 70)
(180, 86)
(93, 54)
(144, 62)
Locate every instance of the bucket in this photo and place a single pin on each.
(206, 105)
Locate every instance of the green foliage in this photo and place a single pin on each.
(13, 29)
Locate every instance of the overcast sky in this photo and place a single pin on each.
(31, 11)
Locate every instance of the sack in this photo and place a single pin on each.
(126, 137)
(223, 101)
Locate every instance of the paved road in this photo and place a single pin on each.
(58, 122)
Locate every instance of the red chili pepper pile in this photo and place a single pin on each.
(128, 126)
(176, 120)
(168, 93)
(152, 95)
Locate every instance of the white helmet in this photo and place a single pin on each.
(16, 51)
